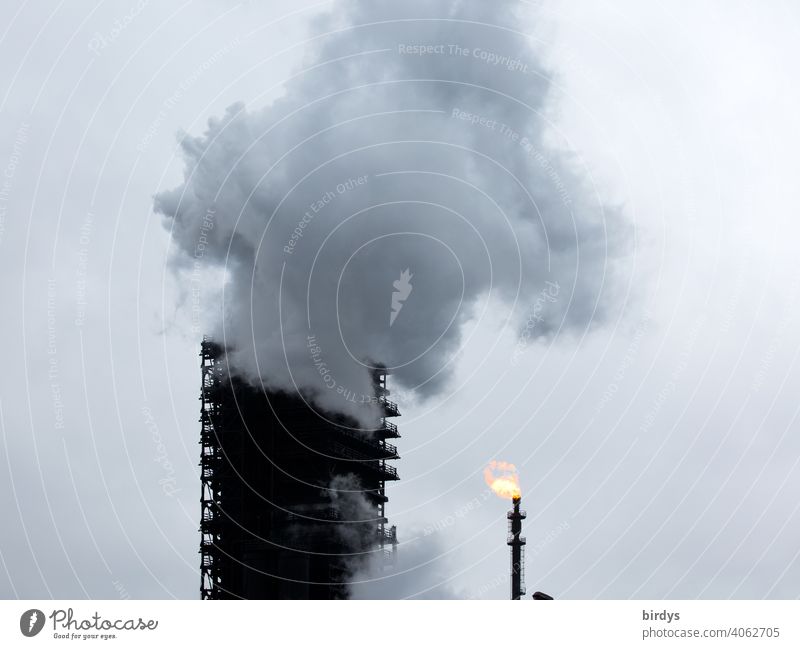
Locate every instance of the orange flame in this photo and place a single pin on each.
(502, 478)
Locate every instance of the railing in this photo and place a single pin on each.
(372, 463)
(351, 454)
(389, 448)
(521, 570)
(387, 535)
(390, 406)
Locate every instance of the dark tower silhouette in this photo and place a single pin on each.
(292, 502)
(517, 543)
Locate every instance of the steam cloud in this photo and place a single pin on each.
(358, 515)
(414, 139)
(423, 571)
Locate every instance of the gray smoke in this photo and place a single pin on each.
(413, 139)
(359, 518)
(423, 570)
(419, 570)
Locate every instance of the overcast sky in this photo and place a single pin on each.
(657, 445)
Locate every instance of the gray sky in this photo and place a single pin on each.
(657, 447)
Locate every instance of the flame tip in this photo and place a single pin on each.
(503, 479)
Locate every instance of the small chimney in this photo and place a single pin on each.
(517, 543)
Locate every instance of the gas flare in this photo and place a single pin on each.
(502, 478)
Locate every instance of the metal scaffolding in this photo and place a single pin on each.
(269, 528)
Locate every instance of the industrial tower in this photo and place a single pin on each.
(517, 543)
(271, 525)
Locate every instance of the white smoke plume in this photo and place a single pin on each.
(359, 518)
(413, 140)
(423, 570)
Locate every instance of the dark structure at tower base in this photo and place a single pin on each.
(293, 503)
